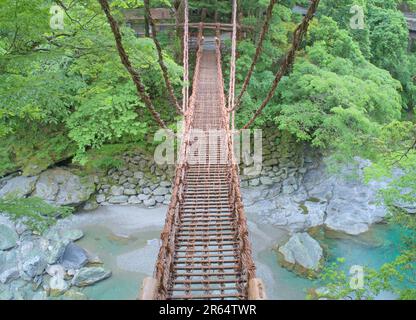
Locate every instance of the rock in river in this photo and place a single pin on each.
(88, 276)
(74, 257)
(62, 187)
(18, 187)
(8, 237)
(302, 254)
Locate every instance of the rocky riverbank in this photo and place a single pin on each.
(49, 266)
(293, 192)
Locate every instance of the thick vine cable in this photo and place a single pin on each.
(160, 57)
(259, 48)
(185, 91)
(141, 91)
(289, 59)
(231, 95)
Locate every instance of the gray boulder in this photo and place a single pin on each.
(89, 276)
(67, 235)
(8, 266)
(74, 257)
(61, 187)
(409, 207)
(8, 237)
(34, 266)
(18, 187)
(303, 254)
(56, 251)
(71, 234)
(100, 198)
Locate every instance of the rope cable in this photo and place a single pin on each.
(160, 57)
(259, 48)
(298, 35)
(125, 60)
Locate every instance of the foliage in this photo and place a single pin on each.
(34, 212)
(72, 79)
(384, 40)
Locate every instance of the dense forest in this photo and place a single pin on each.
(66, 98)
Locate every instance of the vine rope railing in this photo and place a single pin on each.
(165, 258)
(247, 266)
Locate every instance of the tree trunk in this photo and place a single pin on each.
(146, 27)
(204, 14)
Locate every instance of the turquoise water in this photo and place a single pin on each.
(372, 249)
(380, 245)
(122, 285)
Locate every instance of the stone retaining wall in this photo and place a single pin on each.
(142, 182)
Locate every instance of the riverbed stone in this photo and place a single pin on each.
(100, 198)
(56, 251)
(8, 266)
(302, 254)
(88, 276)
(74, 257)
(8, 237)
(34, 266)
(61, 187)
(18, 187)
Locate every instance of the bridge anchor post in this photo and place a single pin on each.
(149, 289)
(256, 290)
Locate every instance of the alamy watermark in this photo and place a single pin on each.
(210, 147)
(56, 22)
(357, 20)
(357, 277)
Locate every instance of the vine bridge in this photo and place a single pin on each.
(205, 249)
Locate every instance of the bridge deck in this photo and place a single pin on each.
(207, 253)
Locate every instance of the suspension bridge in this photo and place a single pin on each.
(205, 248)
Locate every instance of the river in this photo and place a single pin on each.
(125, 238)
